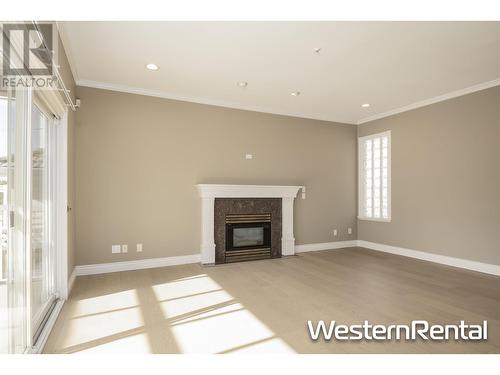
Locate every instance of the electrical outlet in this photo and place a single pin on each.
(349, 230)
(335, 232)
(139, 247)
(124, 248)
(249, 156)
(115, 249)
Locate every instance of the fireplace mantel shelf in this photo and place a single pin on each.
(247, 191)
(208, 193)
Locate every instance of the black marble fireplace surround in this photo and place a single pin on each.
(245, 206)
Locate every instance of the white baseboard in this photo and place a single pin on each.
(491, 269)
(324, 246)
(71, 281)
(93, 269)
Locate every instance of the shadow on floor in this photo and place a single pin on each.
(264, 306)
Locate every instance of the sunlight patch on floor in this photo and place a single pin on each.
(186, 305)
(98, 317)
(107, 302)
(188, 315)
(94, 327)
(220, 333)
(234, 306)
(210, 320)
(185, 287)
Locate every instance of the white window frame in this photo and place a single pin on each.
(361, 177)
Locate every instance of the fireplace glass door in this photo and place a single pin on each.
(251, 236)
(248, 236)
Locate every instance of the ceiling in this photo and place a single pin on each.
(393, 66)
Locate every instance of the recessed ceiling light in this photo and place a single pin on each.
(152, 67)
(366, 105)
(242, 84)
(295, 93)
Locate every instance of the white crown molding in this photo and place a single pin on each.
(491, 269)
(221, 103)
(325, 246)
(437, 99)
(247, 191)
(198, 100)
(94, 269)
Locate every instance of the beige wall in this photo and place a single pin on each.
(67, 77)
(138, 159)
(445, 178)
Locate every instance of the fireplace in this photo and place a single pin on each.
(248, 237)
(247, 229)
(217, 201)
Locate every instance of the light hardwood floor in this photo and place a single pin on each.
(263, 306)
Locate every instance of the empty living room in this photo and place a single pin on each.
(229, 183)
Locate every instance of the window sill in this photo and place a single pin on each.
(374, 219)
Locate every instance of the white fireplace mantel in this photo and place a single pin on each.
(208, 193)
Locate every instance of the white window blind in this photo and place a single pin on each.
(374, 163)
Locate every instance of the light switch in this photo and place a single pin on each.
(248, 156)
(139, 247)
(124, 248)
(115, 249)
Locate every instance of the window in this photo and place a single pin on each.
(374, 163)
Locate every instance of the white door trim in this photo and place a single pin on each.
(61, 207)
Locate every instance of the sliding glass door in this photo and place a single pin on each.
(33, 263)
(42, 254)
(4, 224)
(13, 286)
(27, 216)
